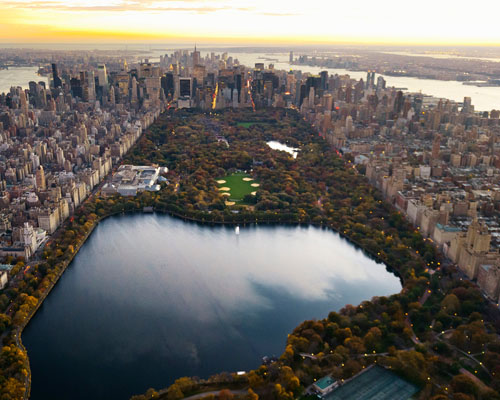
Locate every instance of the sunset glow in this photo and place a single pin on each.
(280, 21)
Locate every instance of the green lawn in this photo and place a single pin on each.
(238, 187)
(248, 124)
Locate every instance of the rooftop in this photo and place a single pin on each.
(324, 382)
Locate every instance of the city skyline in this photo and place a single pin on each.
(239, 22)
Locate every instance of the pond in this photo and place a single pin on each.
(150, 298)
(283, 147)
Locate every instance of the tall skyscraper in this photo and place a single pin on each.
(102, 75)
(55, 77)
(196, 57)
(291, 57)
(467, 108)
(91, 85)
(324, 79)
(185, 87)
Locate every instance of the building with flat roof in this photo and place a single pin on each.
(325, 385)
(130, 179)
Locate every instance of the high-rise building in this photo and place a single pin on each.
(91, 85)
(324, 79)
(436, 144)
(291, 57)
(196, 57)
(55, 77)
(102, 75)
(467, 108)
(185, 87)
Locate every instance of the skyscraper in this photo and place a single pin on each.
(291, 57)
(185, 87)
(55, 77)
(102, 75)
(196, 57)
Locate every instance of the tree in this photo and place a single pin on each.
(451, 304)
(252, 395)
(464, 384)
(225, 394)
(174, 392)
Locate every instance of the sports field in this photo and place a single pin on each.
(237, 186)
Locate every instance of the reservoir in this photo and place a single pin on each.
(150, 298)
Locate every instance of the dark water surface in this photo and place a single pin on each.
(150, 298)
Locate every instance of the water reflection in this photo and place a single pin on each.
(150, 298)
(19, 76)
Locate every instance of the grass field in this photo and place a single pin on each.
(248, 124)
(238, 188)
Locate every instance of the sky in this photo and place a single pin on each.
(251, 21)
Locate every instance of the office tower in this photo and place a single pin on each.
(196, 57)
(91, 86)
(358, 91)
(199, 72)
(33, 87)
(185, 87)
(55, 77)
(380, 83)
(311, 97)
(349, 124)
(436, 144)
(76, 88)
(324, 79)
(467, 108)
(291, 57)
(348, 94)
(210, 79)
(328, 102)
(102, 75)
(24, 103)
(239, 80)
(122, 82)
(398, 102)
(313, 81)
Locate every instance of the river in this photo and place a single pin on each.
(19, 76)
(150, 298)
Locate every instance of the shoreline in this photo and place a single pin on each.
(67, 263)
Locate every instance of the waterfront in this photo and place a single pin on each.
(19, 76)
(483, 98)
(139, 308)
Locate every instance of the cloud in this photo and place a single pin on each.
(195, 6)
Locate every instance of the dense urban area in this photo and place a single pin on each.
(409, 178)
